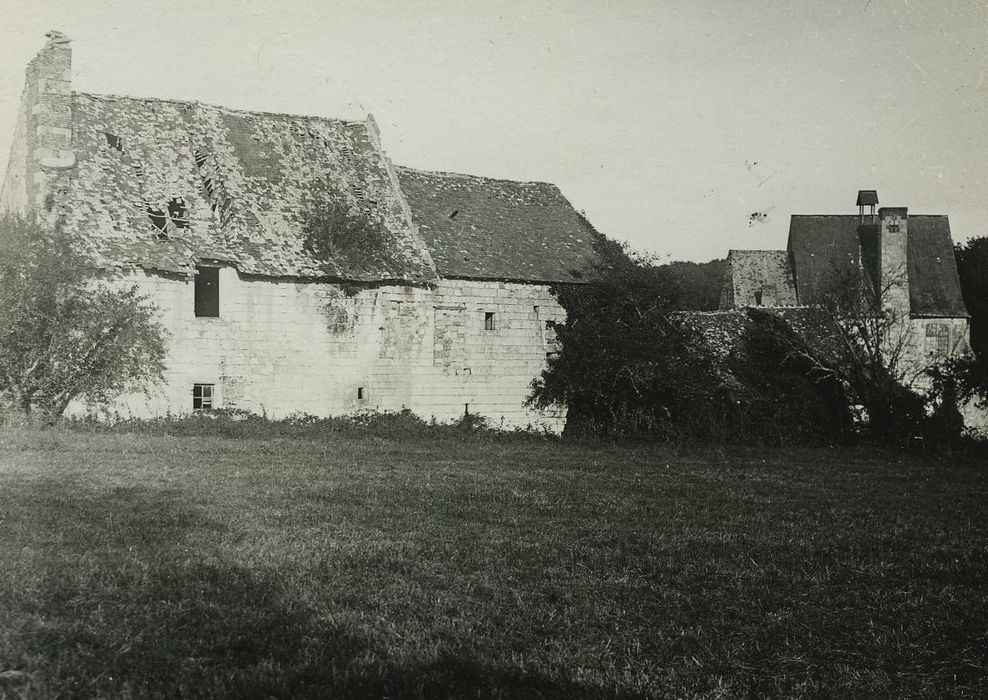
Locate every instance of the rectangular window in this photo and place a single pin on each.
(489, 321)
(937, 338)
(208, 292)
(202, 397)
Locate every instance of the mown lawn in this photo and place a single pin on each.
(142, 566)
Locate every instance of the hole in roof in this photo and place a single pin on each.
(113, 141)
(157, 218)
(454, 213)
(176, 211)
(139, 169)
(200, 157)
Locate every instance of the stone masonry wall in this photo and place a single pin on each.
(284, 346)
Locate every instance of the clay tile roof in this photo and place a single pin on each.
(477, 227)
(229, 185)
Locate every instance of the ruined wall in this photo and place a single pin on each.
(284, 346)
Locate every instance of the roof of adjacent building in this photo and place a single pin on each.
(757, 277)
(164, 183)
(477, 227)
(819, 244)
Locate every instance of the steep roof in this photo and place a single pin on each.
(819, 242)
(934, 285)
(819, 245)
(757, 277)
(233, 186)
(483, 228)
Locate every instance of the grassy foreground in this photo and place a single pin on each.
(348, 566)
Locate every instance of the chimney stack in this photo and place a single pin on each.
(893, 252)
(48, 119)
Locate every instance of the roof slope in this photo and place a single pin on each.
(482, 228)
(934, 285)
(230, 185)
(757, 278)
(818, 243)
(818, 246)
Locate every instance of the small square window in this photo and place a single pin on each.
(489, 321)
(202, 397)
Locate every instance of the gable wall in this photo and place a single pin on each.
(284, 346)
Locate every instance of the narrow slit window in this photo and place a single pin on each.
(207, 301)
(202, 397)
(360, 393)
(489, 321)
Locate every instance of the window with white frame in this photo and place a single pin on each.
(203, 397)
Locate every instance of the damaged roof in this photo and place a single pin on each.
(483, 228)
(819, 242)
(164, 184)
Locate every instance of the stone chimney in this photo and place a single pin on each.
(47, 101)
(893, 251)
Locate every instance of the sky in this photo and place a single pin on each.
(684, 128)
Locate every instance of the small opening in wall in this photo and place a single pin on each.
(113, 141)
(202, 397)
(489, 321)
(360, 393)
(177, 212)
(758, 297)
(158, 219)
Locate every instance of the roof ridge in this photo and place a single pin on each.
(451, 174)
(256, 112)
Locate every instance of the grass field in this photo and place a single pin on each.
(471, 566)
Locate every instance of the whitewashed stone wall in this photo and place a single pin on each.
(283, 346)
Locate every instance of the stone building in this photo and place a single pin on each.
(444, 309)
(908, 257)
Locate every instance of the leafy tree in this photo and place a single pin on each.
(972, 267)
(623, 365)
(696, 285)
(63, 334)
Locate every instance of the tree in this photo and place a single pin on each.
(972, 267)
(64, 334)
(858, 334)
(697, 285)
(619, 366)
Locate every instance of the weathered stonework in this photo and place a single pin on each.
(272, 349)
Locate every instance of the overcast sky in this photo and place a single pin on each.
(669, 123)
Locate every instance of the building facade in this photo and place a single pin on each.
(907, 259)
(439, 301)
